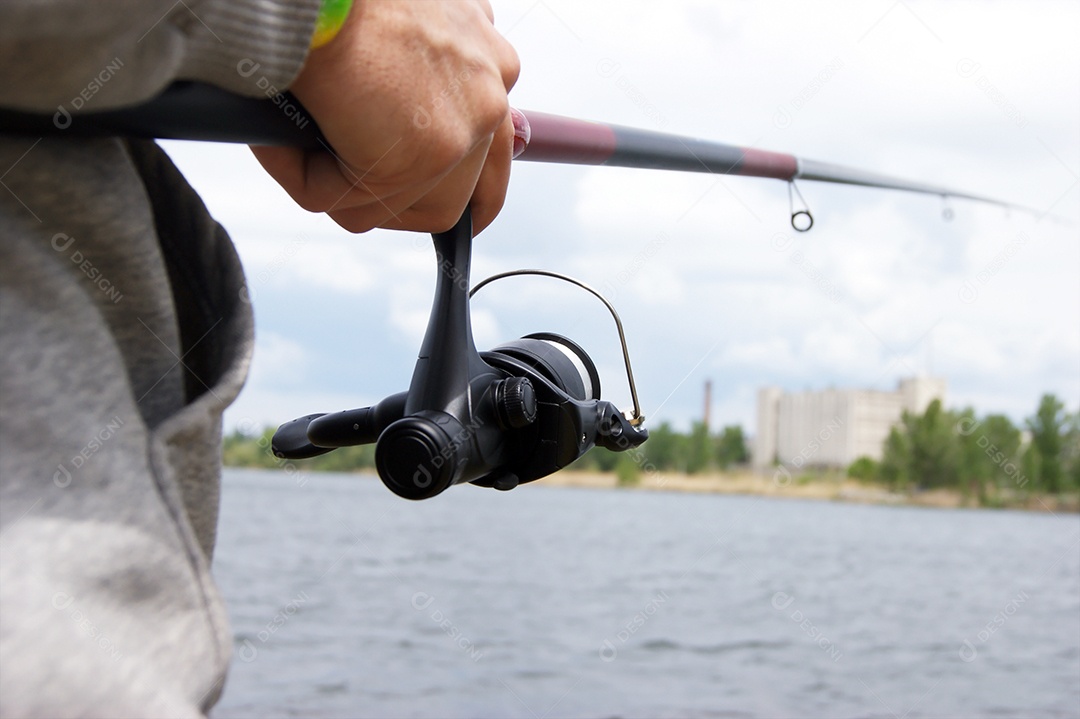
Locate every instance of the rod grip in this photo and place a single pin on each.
(183, 111)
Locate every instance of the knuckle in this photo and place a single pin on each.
(445, 155)
(493, 109)
(511, 68)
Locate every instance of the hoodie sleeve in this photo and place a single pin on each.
(88, 56)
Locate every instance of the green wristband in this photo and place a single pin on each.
(331, 18)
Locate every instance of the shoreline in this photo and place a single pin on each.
(846, 490)
(826, 489)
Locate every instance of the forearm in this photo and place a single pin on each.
(81, 55)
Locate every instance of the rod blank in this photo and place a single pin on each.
(193, 111)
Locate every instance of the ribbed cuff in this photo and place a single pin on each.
(250, 47)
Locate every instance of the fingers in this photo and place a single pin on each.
(490, 193)
(320, 183)
(433, 210)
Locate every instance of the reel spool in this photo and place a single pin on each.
(496, 419)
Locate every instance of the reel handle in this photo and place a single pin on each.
(291, 440)
(315, 434)
(356, 426)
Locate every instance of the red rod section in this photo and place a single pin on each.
(566, 140)
(762, 163)
(579, 142)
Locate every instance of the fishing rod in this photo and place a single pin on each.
(580, 142)
(501, 418)
(194, 111)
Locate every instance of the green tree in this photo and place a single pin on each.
(343, 459)
(597, 459)
(895, 467)
(1070, 451)
(923, 451)
(1046, 440)
(698, 449)
(627, 471)
(241, 450)
(731, 447)
(935, 452)
(990, 453)
(664, 448)
(1029, 467)
(864, 469)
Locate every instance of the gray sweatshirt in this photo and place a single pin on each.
(124, 333)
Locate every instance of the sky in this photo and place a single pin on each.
(710, 280)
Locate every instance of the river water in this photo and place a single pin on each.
(559, 602)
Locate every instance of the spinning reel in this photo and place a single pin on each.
(497, 419)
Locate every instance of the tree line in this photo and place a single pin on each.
(243, 450)
(983, 457)
(980, 456)
(666, 450)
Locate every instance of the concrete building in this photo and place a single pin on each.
(834, 427)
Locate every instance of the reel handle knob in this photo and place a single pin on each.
(515, 402)
(421, 455)
(291, 440)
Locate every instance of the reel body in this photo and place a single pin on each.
(514, 414)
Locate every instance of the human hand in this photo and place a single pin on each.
(411, 96)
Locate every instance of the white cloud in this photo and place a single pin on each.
(278, 361)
